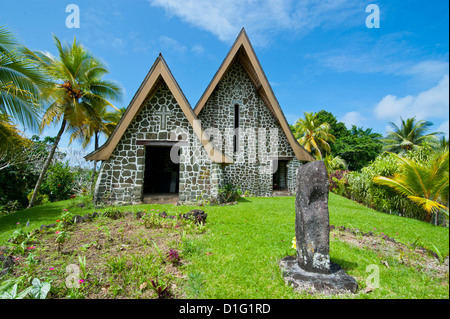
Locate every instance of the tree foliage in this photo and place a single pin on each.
(313, 134)
(410, 135)
(363, 189)
(19, 171)
(356, 147)
(77, 89)
(425, 183)
(21, 82)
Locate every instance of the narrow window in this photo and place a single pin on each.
(236, 128)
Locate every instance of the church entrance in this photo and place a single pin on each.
(161, 174)
(280, 176)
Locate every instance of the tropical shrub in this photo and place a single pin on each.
(82, 180)
(230, 193)
(338, 183)
(41, 199)
(425, 183)
(58, 184)
(20, 171)
(363, 189)
(10, 207)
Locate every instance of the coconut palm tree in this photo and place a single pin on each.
(104, 124)
(427, 184)
(410, 135)
(334, 163)
(20, 85)
(77, 87)
(313, 135)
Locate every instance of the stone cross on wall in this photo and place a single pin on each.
(163, 114)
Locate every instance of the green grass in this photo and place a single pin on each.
(45, 214)
(238, 255)
(344, 212)
(49, 213)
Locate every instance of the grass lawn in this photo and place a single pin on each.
(238, 255)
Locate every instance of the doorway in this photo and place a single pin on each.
(161, 174)
(280, 175)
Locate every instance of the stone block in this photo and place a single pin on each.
(312, 220)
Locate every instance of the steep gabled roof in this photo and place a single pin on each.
(158, 72)
(243, 52)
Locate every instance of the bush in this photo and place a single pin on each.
(362, 189)
(338, 183)
(230, 193)
(41, 199)
(10, 207)
(81, 181)
(58, 184)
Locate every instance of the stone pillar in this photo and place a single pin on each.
(312, 222)
(312, 270)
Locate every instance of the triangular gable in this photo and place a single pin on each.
(158, 72)
(243, 52)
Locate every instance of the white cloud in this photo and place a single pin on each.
(364, 53)
(391, 107)
(198, 49)
(430, 70)
(171, 44)
(429, 104)
(352, 118)
(261, 18)
(118, 43)
(390, 54)
(444, 128)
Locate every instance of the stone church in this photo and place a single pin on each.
(236, 135)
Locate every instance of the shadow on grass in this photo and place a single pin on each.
(344, 264)
(242, 200)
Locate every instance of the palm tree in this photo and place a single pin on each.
(443, 143)
(410, 135)
(427, 184)
(313, 135)
(334, 163)
(11, 139)
(20, 85)
(105, 122)
(77, 87)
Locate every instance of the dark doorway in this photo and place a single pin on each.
(280, 175)
(161, 174)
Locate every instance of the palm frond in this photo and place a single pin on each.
(11, 138)
(394, 183)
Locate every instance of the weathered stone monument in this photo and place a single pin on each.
(312, 270)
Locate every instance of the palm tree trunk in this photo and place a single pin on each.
(47, 164)
(95, 162)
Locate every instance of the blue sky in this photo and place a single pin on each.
(316, 54)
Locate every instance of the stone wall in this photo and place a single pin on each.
(292, 167)
(261, 138)
(121, 177)
(259, 131)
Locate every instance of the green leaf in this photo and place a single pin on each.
(39, 290)
(24, 293)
